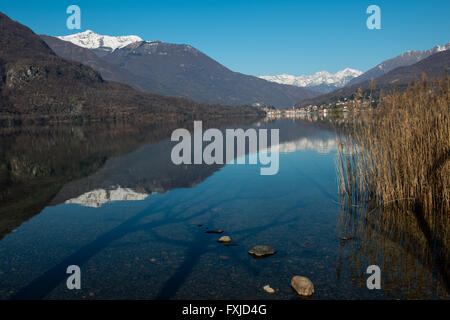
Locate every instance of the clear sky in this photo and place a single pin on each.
(258, 37)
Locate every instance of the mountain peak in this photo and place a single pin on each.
(320, 78)
(348, 71)
(439, 48)
(91, 40)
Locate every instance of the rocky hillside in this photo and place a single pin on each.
(183, 71)
(36, 83)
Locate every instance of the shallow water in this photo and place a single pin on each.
(132, 220)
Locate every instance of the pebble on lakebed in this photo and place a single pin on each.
(302, 285)
(224, 239)
(214, 231)
(268, 289)
(346, 238)
(261, 251)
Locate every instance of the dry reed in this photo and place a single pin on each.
(398, 154)
(393, 171)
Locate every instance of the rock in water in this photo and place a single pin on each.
(268, 289)
(302, 285)
(214, 231)
(224, 239)
(346, 238)
(261, 251)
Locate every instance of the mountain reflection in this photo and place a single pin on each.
(149, 169)
(91, 165)
(320, 145)
(37, 161)
(97, 198)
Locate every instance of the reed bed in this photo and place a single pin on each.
(398, 154)
(393, 171)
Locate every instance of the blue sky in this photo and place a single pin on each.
(258, 37)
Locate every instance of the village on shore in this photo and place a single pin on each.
(340, 109)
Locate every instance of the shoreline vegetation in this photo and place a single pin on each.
(393, 175)
(397, 154)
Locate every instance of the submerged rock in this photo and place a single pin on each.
(268, 289)
(214, 231)
(261, 251)
(224, 239)
(347, 238)
(302, 285)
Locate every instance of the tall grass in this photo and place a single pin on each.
(398, 154)
(393, 171)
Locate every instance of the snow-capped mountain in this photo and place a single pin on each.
(405, 59)
(321, 81)
(172, 70)
(94, 41)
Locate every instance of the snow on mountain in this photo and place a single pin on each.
(337, 80)
(410, 57)
(91, 40)
(420, 55)
(405, 59)
(98, 197)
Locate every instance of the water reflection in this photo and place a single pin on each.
(413, 257)
(37, 161)
(42, 165)
(149, 169)
(83, 224)
(412, 248)
(111, 201)
(98, 197)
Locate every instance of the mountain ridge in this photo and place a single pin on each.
(37, 84)
(405, 59)
(322, 81)
(433, 66)
(183, 71)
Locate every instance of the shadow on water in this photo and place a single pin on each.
(111, 167)
(411, 252)
(43, 285)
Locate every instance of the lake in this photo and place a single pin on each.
(108, 199)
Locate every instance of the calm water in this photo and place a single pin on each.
(110, 201)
